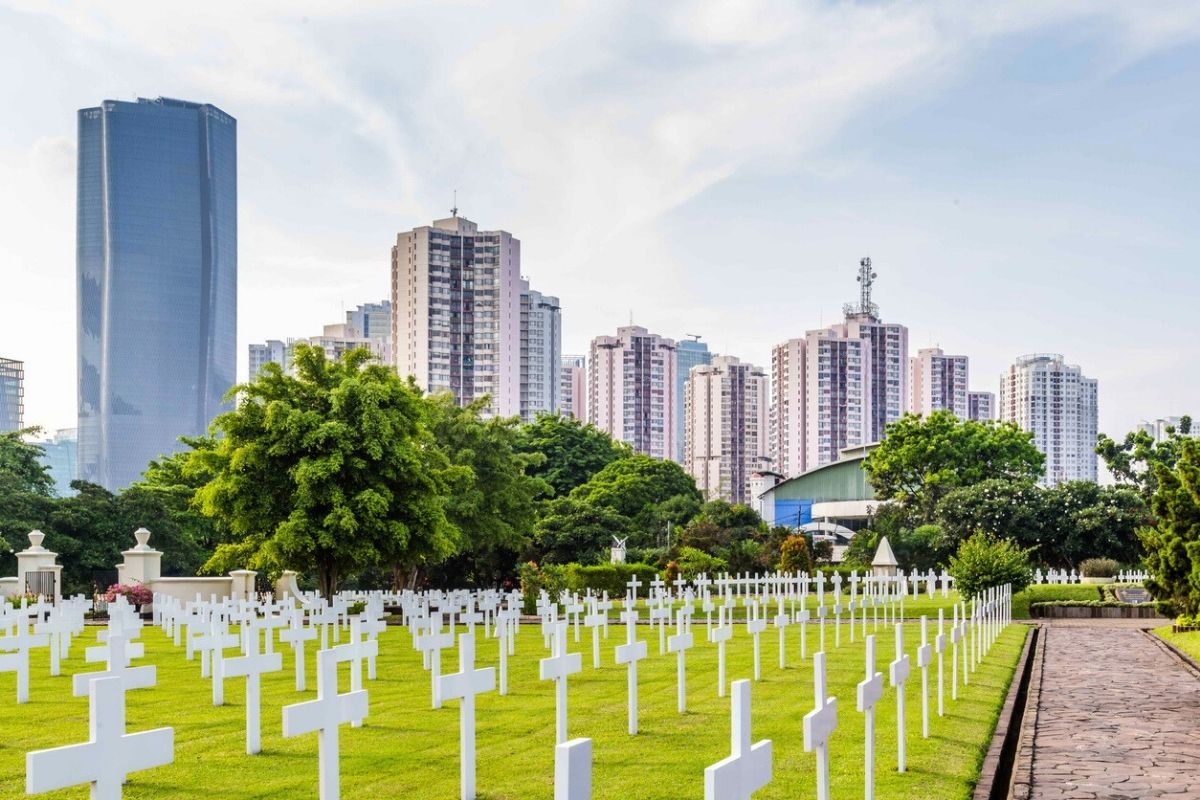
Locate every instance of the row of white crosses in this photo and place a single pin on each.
(1056, 576)
(33, 625)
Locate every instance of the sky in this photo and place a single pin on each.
(1024, 175)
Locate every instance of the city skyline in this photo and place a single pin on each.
(988, 244)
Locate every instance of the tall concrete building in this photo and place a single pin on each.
(12, 395)
(541, 352)
(573, 387)
(981, 406)
(456, 303)
(1161, 429)
(689, 352)
(1058, 404)
(631, 389)
(273, 351)
(726, 416)
(336, 340)
(837, 387)
(156, 257)
(373, 321)
(937, 381)
(60, 455)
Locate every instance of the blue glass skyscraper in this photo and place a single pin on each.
(156, 256)
(689, 353)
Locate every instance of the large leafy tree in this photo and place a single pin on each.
(1132, 460)
(924, 458)
(571, 451)
(638, 487)
(1173, 543)
(492, 496)
(1005, 509)
(21, 465)
(574, 530)
(330, 469)
(25, 494)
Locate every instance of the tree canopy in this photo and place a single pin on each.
(924, 458)
(570, 451)
(1132, 461)
(330, 469)
(1173, 542)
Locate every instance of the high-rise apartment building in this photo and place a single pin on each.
(456, 302)
(156, 253)
(572, 396)
(1161, 429)
(689, 352)
(837, 387)
(1053, 400)
(937, 381)
(12, 395)
(373, 321)
(631, 389)
(981, 406)
(541, 352)
(273, 351)
(726, 419)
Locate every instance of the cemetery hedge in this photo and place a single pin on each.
(609, 578)
(1047, 593)
(405, 749)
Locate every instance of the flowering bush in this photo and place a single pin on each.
(135, 593)
(14, 600)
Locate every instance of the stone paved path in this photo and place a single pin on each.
(1118, 717)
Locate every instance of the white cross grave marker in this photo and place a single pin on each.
(464, 685)
(680, 643)
(924, 658)
(557, 668)
(252, 666)
(630, 653)
(109, 754)
(748, 768)
(720, 635)
(870, 690)
(898, 673)
(819, 725)
(117, 653)
(324, 715)
(18, 661)
(296, 634)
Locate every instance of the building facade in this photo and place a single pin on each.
(541, 353)
(937, 381)
(689, 352)
(726, 405)
(373, 321)
(788, 404)
(60, 455)
(273, 351)
(631, 390)
(156, 231)
(1058, 404)
(12, 395)
(981, 406)
(1162, 428)
(573, 387)
(456, 321)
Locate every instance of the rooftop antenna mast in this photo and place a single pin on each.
(866, 279)
(454, 208)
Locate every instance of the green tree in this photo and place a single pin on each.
(794, 556)
(692, 563)
(1132, 460)
(492, 499)
(1081, 519)
(330, 469)
(636, 487)
(574, 530)
(984, 561)
(21, 466)
(571, 451)
(924, 458)
(1003, 508)
(1173, 542)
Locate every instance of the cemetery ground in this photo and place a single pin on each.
(406, 749)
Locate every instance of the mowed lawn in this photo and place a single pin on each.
(1187, 641)
(408, 750)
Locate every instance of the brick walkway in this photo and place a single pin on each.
(1118, 717)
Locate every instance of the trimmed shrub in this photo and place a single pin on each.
(984, 561)
(611, 578)
(794, 555)
(1099, 568)
(692, 562)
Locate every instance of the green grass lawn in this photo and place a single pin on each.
(913, 608)
(1046, 593)
(408, 750)
(1188, 642)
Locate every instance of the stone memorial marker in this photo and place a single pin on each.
(755, 627)
(939, 647)
(924, 658)
(434, 643)
(324, 715)
(556, 668)
(117, 653)
(870, 691)
(595, 621)
(679, 644)
(781, 622)
(631, 653)
(721, 635)
(898, 674)
(819, 725)
(18, 661)
(296, 634)
(251, 666)
(57, 630)
(464, 685)
(573, 770)
(216, 641)
(748, 767)
(803, 617)
(108, 756)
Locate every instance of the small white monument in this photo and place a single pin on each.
(748, 767)
(617, 552)
(108, 755)
(573, 770)
(884, 564)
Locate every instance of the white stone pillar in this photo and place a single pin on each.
(143, 564)
(36, 558)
